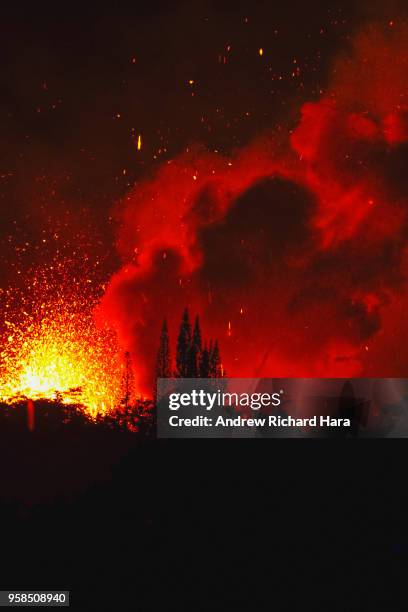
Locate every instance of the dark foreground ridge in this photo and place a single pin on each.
(122, 519)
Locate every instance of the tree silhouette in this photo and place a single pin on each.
(204, 369)
(163, 364)
(215, 361)
(183, 346)
(194, 353)
(194, 359)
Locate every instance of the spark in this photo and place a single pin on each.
(139, 142)
(261, 51)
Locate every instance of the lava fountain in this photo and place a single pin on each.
(52, 348)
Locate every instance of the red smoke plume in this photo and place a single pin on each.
(300, 245)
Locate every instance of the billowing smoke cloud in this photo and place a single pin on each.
(294, 253)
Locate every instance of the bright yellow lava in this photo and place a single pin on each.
(56, 351)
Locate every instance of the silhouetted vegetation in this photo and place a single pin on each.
(138, 417)
(194, 358)
(163, 366)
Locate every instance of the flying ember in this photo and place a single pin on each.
(52, 347)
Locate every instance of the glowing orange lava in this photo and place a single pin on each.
(53, 349)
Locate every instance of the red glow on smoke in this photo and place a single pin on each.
(298, 246)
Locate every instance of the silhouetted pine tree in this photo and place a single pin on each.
(204, 370)
(163, 363)
(197, 341)
(215, 361)
(183, 346)
(194, 354)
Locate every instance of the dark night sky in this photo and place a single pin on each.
(79, 84)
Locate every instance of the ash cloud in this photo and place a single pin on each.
(294, 256)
